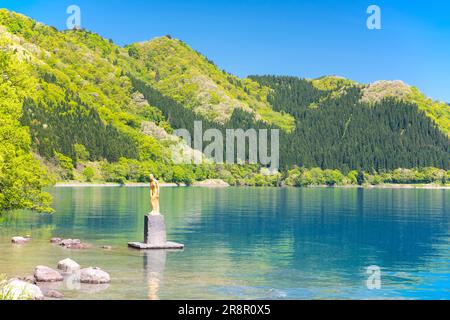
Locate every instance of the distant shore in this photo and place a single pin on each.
(107, 184)
(216, 184)
(410, 186)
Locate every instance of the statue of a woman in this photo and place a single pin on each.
(154, 195)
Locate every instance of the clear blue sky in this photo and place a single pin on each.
(299, 38)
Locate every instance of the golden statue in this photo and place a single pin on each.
(154, 195)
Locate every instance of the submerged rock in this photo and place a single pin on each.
(20, 240)
(48, 286)
(94, 276)
(21, 290)
(54, 294)
(46, 274)
(73, 244)
(93, 288)
(55, 240)
(79, 246)
(68, 266)
(69, 242)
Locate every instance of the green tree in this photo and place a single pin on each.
(66, 165)
(133, 52)
(89, 174)
(182, 175)
(80, 152)
(360, 179)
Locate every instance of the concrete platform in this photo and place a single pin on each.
(147, 246)
(155, 235)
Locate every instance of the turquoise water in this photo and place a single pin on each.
(245, 243)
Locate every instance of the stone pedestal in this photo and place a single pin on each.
(154, 230)
(155, 235)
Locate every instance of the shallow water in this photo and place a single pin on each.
(245, 243)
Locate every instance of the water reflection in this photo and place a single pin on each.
(154, 266)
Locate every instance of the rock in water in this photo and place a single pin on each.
(55, 240)
(94, 276)
(30, 279)
(54, 294)
(79, 246)
(19, 240)
(68, 266)
(211, 183)
(46, 274)
(69, 242)
(21, 290)
(73, 244)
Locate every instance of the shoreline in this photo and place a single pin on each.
(109, 184)
(215, 185)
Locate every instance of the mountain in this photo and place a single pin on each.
(179, 72)
(439, 112)
(70, 91)
(346, 125)
(77, 106)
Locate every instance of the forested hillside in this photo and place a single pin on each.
(77, 76)
(177, 71)
(21, 177)
(76, 106)
(76, 94)
(336, 128)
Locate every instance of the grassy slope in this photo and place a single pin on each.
(179, 72)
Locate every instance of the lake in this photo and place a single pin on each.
(245, 243)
